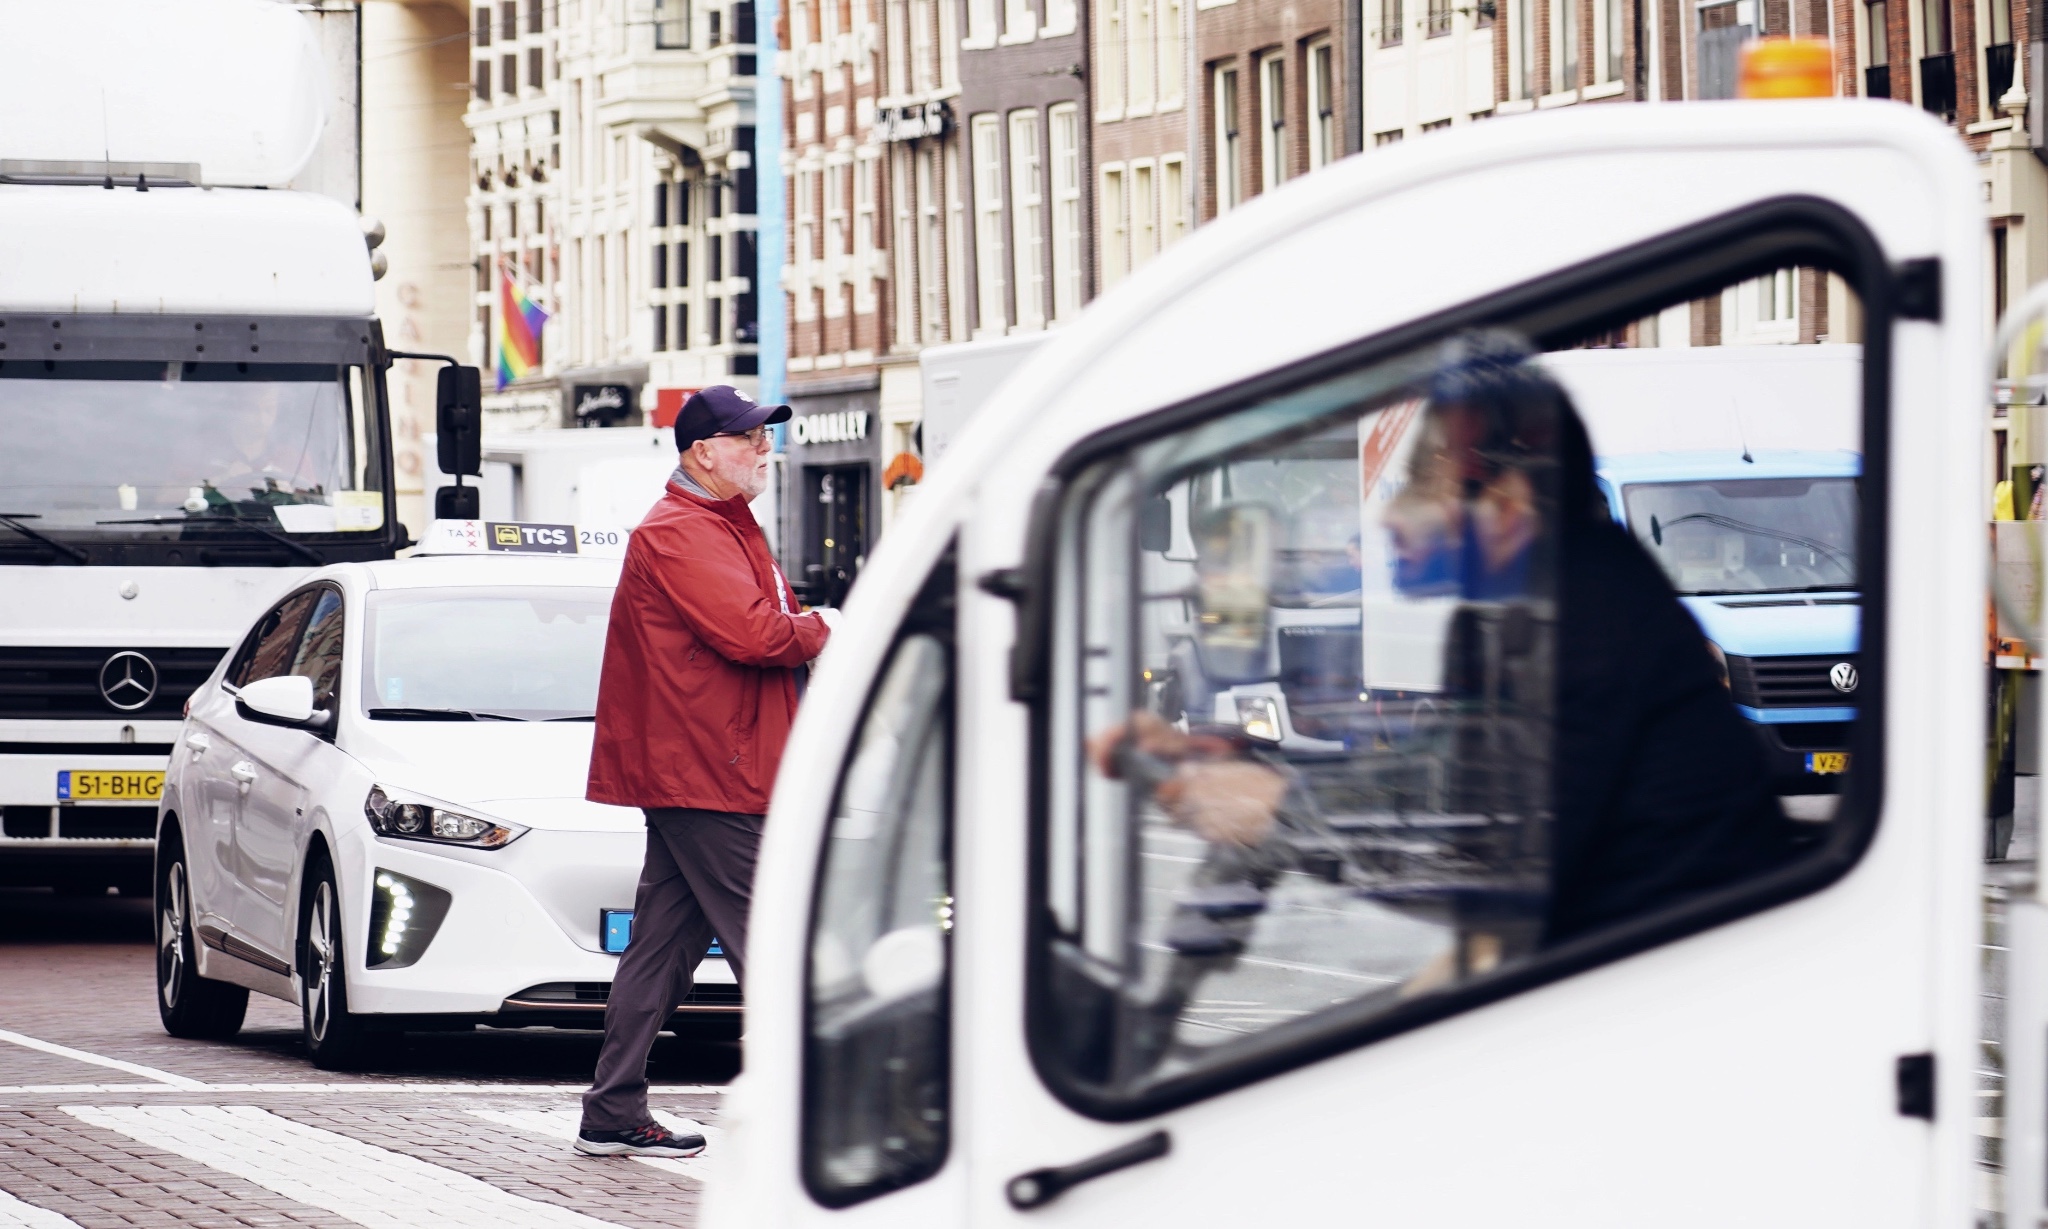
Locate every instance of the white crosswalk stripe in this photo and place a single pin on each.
(14, 1214)
(562, 1124)
(359, 1182)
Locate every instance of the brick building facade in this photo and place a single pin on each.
(1273, 79)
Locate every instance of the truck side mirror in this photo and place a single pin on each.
(459, 421)
(1234, 591)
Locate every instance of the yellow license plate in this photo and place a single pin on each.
(109, 785)
(1827, 762)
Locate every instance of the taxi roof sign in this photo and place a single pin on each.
(521, 538)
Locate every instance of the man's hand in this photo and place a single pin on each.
(1225, 800)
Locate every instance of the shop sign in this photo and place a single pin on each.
(842, 427)
(909, 123)
(603, 405)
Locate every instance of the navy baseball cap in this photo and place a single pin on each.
(722, 410)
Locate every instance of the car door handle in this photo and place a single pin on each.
(1042, 1186)
(244, 771)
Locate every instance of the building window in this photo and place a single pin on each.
(904, 291)
(1392, 18)
(1564, 41)
(1935, 28)
(661, 204)
(682, 326)
(1138, 87)
(508, 20)
(1109, 66)
(835, 212)
(1998, 56)
(536, 67)
(1027, 219)
(715, 309)
(1065, 124)
(1435, 125)
(1390, 137)
(1272, 121)
(534, 11)
(1774, 297)
(1522, 68)
(981, 22)
(1116, 227)
(1608, 55)
(1172, 52)
(483, 80)
(987, 139)
(922, 64)
(715, 245)
(1060, 17)
(931, 247)
(1322, 106)
(1018, 22)
(508, 75)
(1439, 18)
(1144, 215)
(483, 26)
(682, 264)
(660, 268)
(1229, 153)
(1173, 201)
(671, 23)
(660, 327)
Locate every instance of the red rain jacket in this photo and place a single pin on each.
(699, 682)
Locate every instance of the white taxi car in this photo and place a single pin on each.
(375, 808)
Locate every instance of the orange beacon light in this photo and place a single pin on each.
(1787, 68)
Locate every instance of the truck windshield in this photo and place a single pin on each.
(98, 451)
(524, 654)
(1749, 535)
(1312, 485)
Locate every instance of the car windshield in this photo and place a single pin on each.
(522, 654)
(100, 450)
(1749, 535)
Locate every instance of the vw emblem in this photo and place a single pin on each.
(1843, 676)
(128, 680)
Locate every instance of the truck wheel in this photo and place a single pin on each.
(334, 1037)
(189, 1005)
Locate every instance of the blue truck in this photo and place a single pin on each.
(1761, 547)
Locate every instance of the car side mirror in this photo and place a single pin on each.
(1234, 591)
(286, 700)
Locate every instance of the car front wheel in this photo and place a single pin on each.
(189, 1005)
(333, 1036)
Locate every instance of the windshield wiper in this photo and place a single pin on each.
(13, 521)
(247, 522)
(436, 714)
(584, 717)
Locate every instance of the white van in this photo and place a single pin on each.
(1029, 951)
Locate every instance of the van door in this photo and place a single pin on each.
(1520, 929)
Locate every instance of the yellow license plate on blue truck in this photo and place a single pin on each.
(109, 785)
(1827, 763)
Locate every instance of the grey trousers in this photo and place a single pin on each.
(697, 882)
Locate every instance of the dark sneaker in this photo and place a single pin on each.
(650, 1139)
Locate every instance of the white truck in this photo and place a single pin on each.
(192, 393)
(1025, 953)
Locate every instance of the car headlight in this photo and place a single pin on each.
(1259, 717)
(423, 821)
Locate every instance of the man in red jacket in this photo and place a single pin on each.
(693, 707)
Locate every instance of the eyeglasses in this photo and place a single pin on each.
(758, 437)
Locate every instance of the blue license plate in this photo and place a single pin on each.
(617, 927)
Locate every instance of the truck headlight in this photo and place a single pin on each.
(424, 821)
(1259, 717)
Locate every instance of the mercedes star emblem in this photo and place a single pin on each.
(128, 680)
(1843, 676)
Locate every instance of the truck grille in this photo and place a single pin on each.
(88, 823)
(1789, 682)
(65, 683)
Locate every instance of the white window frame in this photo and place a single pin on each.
(1564, 33)
(1173, 200)
(1322, 104)
(1171, 22)
(1063, 142)
(985, 139)
(1027, 218)
(865, 171)
(1114, 207)
(1142, 46)
(1020, 25)
(1142, 190)
(931, 245)
(905, 243)
(923, 64)
(1226, 94)
(1061, 17)
(1607, 47)
(1521, 49)
(1272, 69)
(981, 24)
(1109, 60)
(1763, 311)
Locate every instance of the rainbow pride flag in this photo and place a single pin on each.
(519, 323)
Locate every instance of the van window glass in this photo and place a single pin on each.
(1366, 693)
(270, 649)
(876, 1086)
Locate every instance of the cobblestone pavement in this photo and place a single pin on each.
(106, 1122)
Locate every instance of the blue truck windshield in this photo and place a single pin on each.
(1748, 535)
(120, 450)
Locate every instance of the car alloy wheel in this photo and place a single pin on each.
(320, 932)
(173, 961)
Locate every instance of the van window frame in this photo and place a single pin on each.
(1555, 309)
